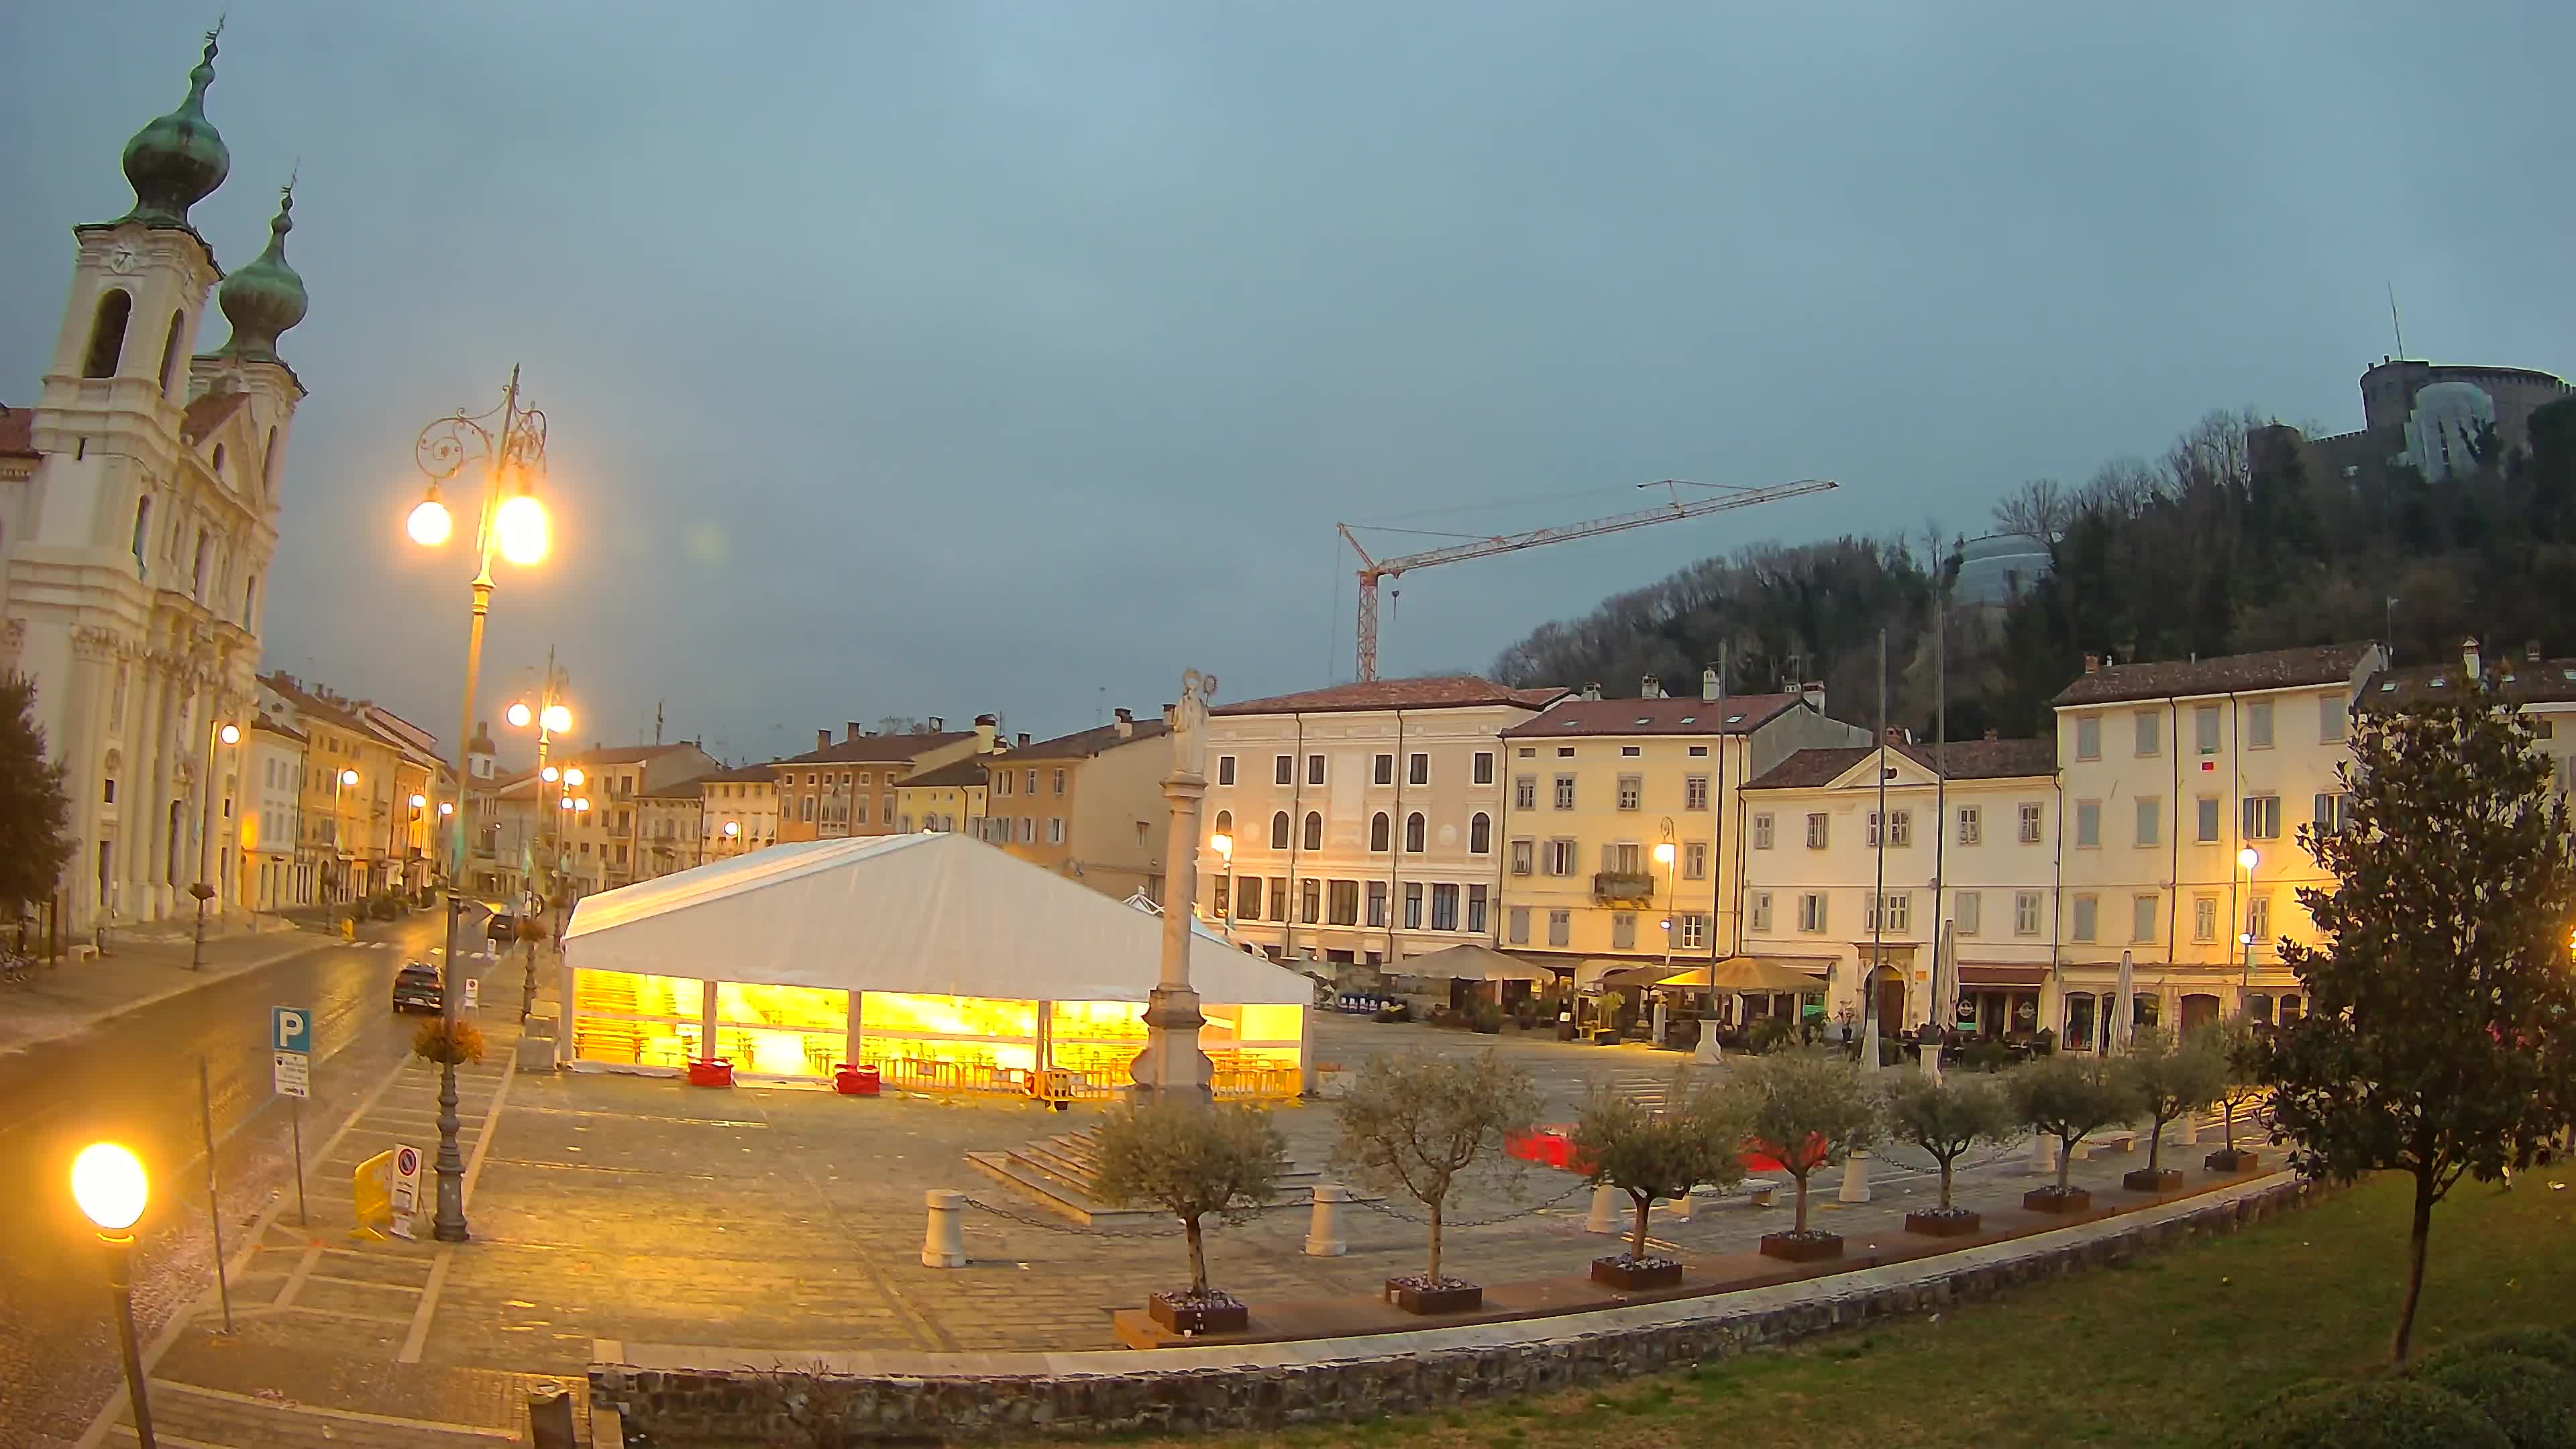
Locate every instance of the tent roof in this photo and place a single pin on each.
(1752, 973)
(939, 914)
(1472, 962)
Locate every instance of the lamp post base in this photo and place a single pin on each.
(1171, 1067)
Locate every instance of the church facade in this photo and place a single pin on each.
(139, 506)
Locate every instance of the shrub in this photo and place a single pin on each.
(1771, 1034)
(1190, 1162)
(434, 1042)
(2528, 1398)
(2529, 1340)
(2381, 1414)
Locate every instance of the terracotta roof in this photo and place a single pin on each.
(950, 776)
(875, 749)
(755, 774)
(1737, 714)
(266, 725)
(1083, 744)
(207, 412)
(619, 754)
(2272, 669)
(1966, 760)
(2519, 681)
(18, 431)
(1449, 691)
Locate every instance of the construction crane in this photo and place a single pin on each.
(1374, 571)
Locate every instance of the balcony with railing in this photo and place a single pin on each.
(1623, 887)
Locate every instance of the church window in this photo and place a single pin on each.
(197, 576)
(170, 354)
(268, 465)
(250, 603)
(142, 528)
(219, 462)
(107, 334)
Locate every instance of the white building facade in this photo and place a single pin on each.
(139, 503)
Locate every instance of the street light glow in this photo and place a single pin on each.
(519, 714)
(564, 804)
(520, 529)
(109, 1185)
(581, 803)
(229, 734)
(2247, 857)
(732, 829)
(446, 807)
(549, 774)
(429, 524)
(557, 718)
(419, 802)
(348, 777)
(574, 777)
(1222, 844)
(1664, 853)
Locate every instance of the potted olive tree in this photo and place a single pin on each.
(1415, 1125)
(1804, 1113)
(1621, 1143)
(2240, 1047)
(1191, 1162)
(2067, 1097)
(2168, 1076)
(1945, 1117)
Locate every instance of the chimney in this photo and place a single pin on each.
(2092, 663)
(1708, 686)
(822, 739)
(1126, 724)
(2531, 651)
(1994, 734)
(1020, 740)
(1650, 688)
(938, 724)
(986, 727)
(1592, 690)
(850, 730)
(1895, 736)
(1814, 694)
(2469, 657)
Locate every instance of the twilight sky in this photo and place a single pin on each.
(937, 358)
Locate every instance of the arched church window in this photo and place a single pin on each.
(107, 333)
(219, 462)
(250, 603)
(197, 576)
(170, 354)
(142, 528)
(268, 466)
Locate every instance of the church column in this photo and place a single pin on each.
(82, 747)
(151, 873)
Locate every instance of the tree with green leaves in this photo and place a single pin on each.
(2169, 1075)
(1946, 1116)
(2441, 1003)
(35, 840)
(1191, 1162)
(1415, 1124)
(2240, 1045)
(2069, 1097)
(1649, 1154)
(1805, 1113)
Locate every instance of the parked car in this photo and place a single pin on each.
(416, 985)
(504, 927)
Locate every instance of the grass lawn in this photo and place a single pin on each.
(2149, 1354)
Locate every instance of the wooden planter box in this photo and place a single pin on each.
(2050, 1200)
(2238, 1161)
(1630, 1275)
(852, 1081)
(1412, 1296)
(2162, 1179)
(1216, 1313)
(717, 1072)
(1934, 1223)
(1811, 1247)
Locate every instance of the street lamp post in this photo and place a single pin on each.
(2248, 860)
(339, 838)
(1223, 844)
(512, 523)
(111, 1189)
(225, 734)
(1664, 856)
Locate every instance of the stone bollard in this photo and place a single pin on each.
(1605, 1210)
(1682, 1207)
(943, 1239)
(550, 1420)
(2043, 1155)
(1855, 1178)
(1324, 1228)
(2185, 1131)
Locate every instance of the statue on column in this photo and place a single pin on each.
(1172, 1067)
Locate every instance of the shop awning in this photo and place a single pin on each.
(1618, 976)
(1754, 973)
(1974, 973)
(942, 915)
(1472, 963)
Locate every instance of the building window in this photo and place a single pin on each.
(1055, 830)
(1382, 769)
(2204, 918)
(1059, 782)
(1417, 771)
(2088, 738)
(1413, 905)
(2151, 819)
(1522, 850)
(1379, 831)
(1525, 792)
(1516, 923)
(1314, 770)
(1899, 913)
(1413, 832)
(1811, 912)
(2025, 913)
(2204, 729)
(1560, 928)
(1220, 902)
(2030, 813)
(1694, 932)
(2088, 823)
(1279, 831)
(2262, 817)
(1900, 828)
(2142, 918)
(1971, 829)
(109, 784)
(1028, 830)
(1560, 857)
(1377, 903)
(1757, 910)
(2334, 811)
(1279, 898)
(1346, 903)
(1444, 908)
(1484, 767)
(1695, 860)
(1476, 908)
(107, 333)
(806, 808)
(1695, 792)
(1224, 820)
(1632, 789)
(1762, 831)
(1225, 769)
(2330, 719)
(2205, 819)
(1283, 770)
(2079, 1020)
(2258, 918)
(1630, 752)
(2150, 733)
(1314, 830)
(1247, 895)
(1965, 910)
(1480, 834)
(1818, 830)
(2087, 909)
(1310, 900)
(1565, 792)
(142, 532)
(1623, 931)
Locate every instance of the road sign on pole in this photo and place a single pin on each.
(290, 1029)
(473, 992)
(293, 1076)
(404, 1183)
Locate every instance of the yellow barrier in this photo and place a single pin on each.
(372, 1186)
(348, 928)
(1257, 1084)
(1053, 1086)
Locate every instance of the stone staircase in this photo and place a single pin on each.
(1061, 1173)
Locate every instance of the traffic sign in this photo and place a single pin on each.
(290, 1029)
(473, 992)
(405, 1188)
(294, 1074)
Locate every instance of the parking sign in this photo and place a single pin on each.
(290, 1029)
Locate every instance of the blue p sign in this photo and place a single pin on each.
(290, 1029)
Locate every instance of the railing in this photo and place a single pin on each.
(1621, 885)
(1258, 1084)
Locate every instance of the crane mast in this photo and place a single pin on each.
(1374, 571)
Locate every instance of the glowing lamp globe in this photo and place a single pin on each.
(550, 774)
(446, 807)
(1664, 853)
(732, 829)
(519, 716)
(229, 734)
(583, 803)
(2247, 857)
(557, 718)
(348, 777)
(1222, 844)
(520, 529)
(108, 1184)
(419, 802)
(429, 524)
(564, 803)
(574, 777)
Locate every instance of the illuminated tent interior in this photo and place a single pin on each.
(935, 958)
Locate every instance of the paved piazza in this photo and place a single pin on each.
(644, 1210)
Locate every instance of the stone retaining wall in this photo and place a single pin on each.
(673, 1397)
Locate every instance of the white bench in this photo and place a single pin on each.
(1759, 1190)
(2122, 1140)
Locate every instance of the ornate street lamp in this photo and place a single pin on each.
(111, 1189)
(509, 440)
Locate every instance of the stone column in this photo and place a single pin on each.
(1605, 1210)
(1172, 1067)
(1324, 1228)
